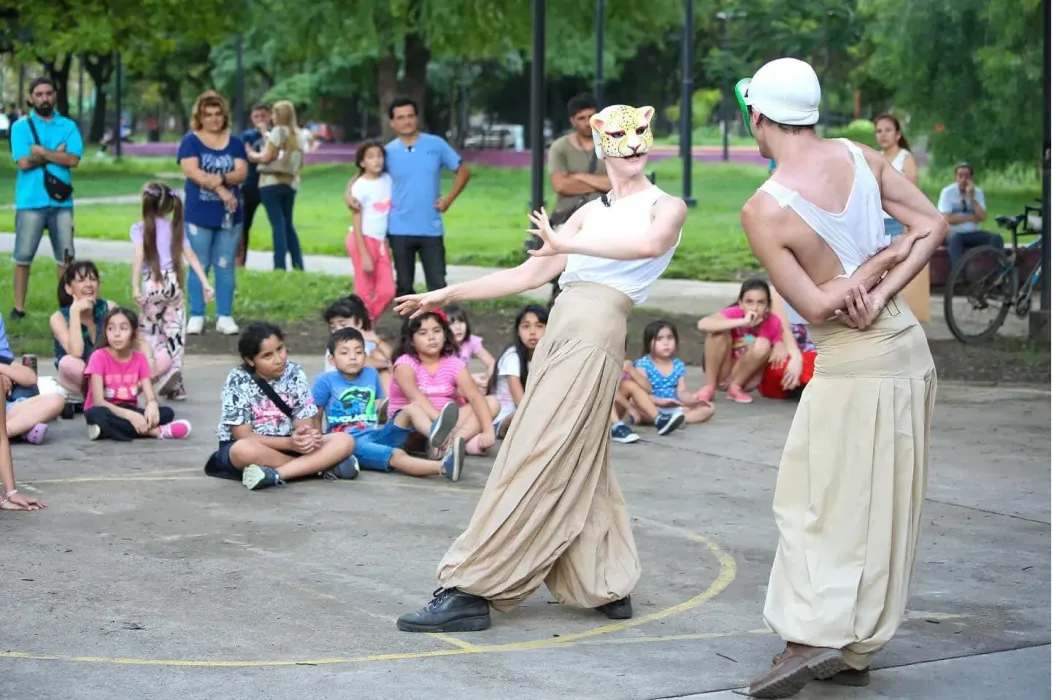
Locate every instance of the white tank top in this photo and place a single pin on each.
(633, 277)
(899, 163)
(855, 234)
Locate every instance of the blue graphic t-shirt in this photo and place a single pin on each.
(204, 207)
(662, 386)
(349, 404)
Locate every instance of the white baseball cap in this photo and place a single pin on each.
(786, 91)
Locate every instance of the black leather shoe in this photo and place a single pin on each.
(450, 610)
(618, 610)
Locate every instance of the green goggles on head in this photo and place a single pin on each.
(741, 91)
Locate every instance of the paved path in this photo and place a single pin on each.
(692, 297)
(146, 579)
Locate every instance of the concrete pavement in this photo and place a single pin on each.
(691, 297)
(146, 579)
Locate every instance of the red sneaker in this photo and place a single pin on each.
(707, 393)
(736, 394)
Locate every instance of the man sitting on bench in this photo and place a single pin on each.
(964, 207)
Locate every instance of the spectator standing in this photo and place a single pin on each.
(254, 140)
(576, 173)
(415, 161)
(214, 163)
(45, 146)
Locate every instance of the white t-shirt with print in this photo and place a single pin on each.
(374, 195)
(507, 366)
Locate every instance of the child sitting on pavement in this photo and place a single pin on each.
(350, 312)
(267, 426)
(348, 396)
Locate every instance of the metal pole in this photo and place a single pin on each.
(686, 103)
(1046, 194)
(726, 89)
(239, 89)
(537, 104)
(600, 21)
(80, 90)
(117, 100)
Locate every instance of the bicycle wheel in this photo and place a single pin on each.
(979, 294)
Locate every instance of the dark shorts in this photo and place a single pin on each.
(220, 466)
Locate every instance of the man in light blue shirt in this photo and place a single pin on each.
(45, 145)
(963, 205)
(415, 162)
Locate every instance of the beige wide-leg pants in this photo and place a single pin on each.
(552, 511)
(851, 487)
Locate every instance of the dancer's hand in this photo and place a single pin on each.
(553, 244)
(414, 305)
(862, 308)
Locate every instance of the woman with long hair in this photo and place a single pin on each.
(214, 163)
(552, 511)
(279, 166)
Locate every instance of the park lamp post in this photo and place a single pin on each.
(600, 21)
(686, 103)
(537, 105)
(1039, 320)
(727, 102)
(117, 88)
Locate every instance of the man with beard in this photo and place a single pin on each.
(45, 145)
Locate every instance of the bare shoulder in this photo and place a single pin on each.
(672, 207)
(763, 210)
(874, 158)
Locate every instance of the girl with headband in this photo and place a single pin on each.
(552, 511)
(158, 283)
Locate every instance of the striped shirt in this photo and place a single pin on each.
(440, 387)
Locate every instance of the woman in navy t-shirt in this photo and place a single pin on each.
(214, 163)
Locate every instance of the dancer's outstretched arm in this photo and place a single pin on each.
(533, 273)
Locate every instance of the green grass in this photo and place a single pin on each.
(282, 298)
(96, 177)
(486, 226)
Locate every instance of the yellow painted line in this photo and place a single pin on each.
(728, 571)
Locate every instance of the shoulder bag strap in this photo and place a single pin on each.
(267, 389)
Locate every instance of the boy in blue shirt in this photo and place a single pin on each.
(348, 397)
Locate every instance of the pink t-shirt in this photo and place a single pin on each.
(164, 242)
(741, 338)
(119, 379)
(440, 387)
(469, 348)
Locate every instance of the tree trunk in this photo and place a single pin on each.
(100, 68)
(386, 88)
(414, 74)
(58, 71)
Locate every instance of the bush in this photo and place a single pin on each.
(861, 130)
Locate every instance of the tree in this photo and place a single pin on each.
(976, 75)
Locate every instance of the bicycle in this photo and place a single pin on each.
(988, 278)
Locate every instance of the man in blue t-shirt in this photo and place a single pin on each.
(415, 162)
(254, 140)
(43, 142)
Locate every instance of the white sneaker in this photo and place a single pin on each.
(196, 325)
(226, 326)
(94, 431)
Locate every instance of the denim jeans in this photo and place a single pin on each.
(278, 200)
(29, 229)
(957, 243)
(215, 248)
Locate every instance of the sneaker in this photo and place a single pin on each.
(619, 432)
(668, 421)
(94, 431)
(706, 393)
(196, 325)
(226, 326)
(177, 394)
(176, 430)
(169, 385)
(17, 315)
(256, 477)
(36, 434)
(443, 425)
(454, 459)
(347, 469)
(736, 395)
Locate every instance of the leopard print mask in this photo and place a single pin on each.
(620, 131)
